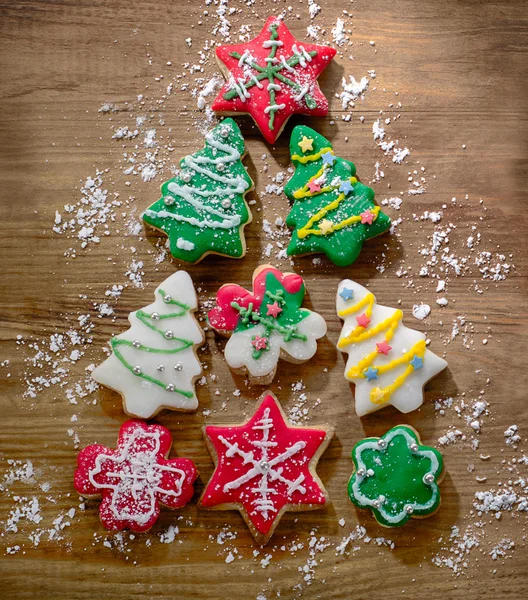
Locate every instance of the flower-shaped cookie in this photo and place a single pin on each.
(136, 477)
(396, 476)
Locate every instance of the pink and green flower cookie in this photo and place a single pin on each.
(396, 477)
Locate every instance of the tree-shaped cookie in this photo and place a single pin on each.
(332, 212)
(203, 209)
(396, 477)
(265, 467)
(388, 362)
(266, 324)
(153, 364)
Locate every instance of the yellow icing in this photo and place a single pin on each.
(361, 334)
(311, 157)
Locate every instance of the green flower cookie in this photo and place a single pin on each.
(396, 476)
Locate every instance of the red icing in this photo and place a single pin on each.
(232, 466)
(135, 478)
(259, 97)
(225, 318)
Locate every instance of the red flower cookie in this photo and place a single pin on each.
(272, 77)
(136, 477)
(265, 467)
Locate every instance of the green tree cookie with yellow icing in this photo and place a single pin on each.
(396, 477)
(332, 212)
(203, 209)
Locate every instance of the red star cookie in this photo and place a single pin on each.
(265, 467)
(272, 77)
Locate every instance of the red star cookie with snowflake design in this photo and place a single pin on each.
(136, 477)
(272, 77)
(265, 468)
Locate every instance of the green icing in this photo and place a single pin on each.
(286, 323)
(342, 247)
(395, 475)
(203, 209)
(147, 319)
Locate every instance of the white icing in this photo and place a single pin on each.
(184, 244)
(286, 65)
(408, 396)
(274, 107)
(272, 60)
(302, 55)
(143, 398)
(139, 476)
(265, 468)
(273, 86)
(271, 43)
(373, 445)
(240, 89)
(243, 58)
(302, 94)
(239, 351)
(256, 82)
(232, 185)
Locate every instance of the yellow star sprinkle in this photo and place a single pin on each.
(377, 396)
(325, 226)
(306, 144)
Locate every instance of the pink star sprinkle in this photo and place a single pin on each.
(260, 343)
(363, 320)
(383, 347)
(313, 186)
(274, 310)
(367, 217)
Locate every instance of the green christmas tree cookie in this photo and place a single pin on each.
(203, 209)
(333, 212)
(396, 477)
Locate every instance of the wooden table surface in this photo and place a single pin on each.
(457, 69)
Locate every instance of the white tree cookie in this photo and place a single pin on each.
(153, 364)
(388, 362)
(266, 324)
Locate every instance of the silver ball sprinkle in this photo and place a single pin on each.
(264, 466)
(226, 203)
(178, 367)
(155, 316)
(169, 200)
(408, 509)
(167, 298)
(137, 370)
(170, 387)
(382, 444)
(224, 132)
(361, 472)
(429, 478)
(414, 447)
(168, 334)
(160, 368)
(136, 344)
(376, 503)
(221, 166)
(186, 176)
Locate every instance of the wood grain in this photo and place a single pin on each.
(459, 70)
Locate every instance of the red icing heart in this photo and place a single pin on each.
(225, 318)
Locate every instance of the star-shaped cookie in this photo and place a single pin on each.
(265, 467)
(272, 77)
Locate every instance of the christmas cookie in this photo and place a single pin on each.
(333, 212)
(203, 209)
(153, 364)
(271, 78)
(265, 468)
(266, 324)
(388, 362)
(135, 478)
(396, 477)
